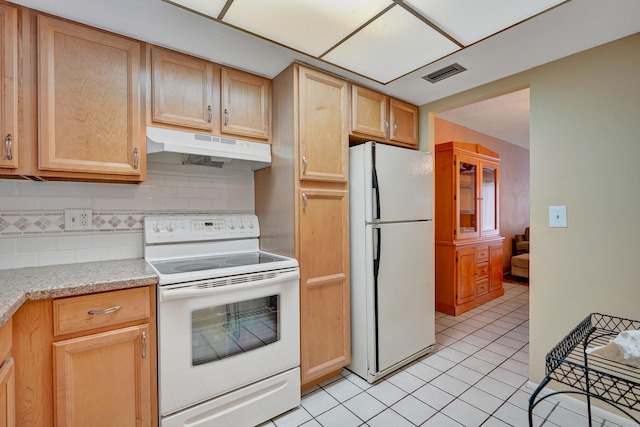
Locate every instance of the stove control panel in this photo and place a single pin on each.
(194, 228)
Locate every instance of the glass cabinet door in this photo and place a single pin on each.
(467, 198)
(489, 200)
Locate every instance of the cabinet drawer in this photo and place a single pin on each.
(482, 253)
(93, 311)
(482, 271)
(482, 287)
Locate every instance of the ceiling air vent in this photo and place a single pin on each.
(443, 73)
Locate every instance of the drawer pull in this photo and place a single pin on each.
(106, 310)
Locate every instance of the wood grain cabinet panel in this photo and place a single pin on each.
(324, 280)
(7, 394)
(7, 377)
(89, 100)
(181, 89)
(86, 312)
(323, 112)
(382, 118)
(403, 118)
(103, 377)
(246, 104)
(9, 138)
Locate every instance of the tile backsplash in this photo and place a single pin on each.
(32, 213)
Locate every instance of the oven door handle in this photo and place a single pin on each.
(194, 291)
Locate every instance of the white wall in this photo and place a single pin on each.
(585, 146)
(32, 223)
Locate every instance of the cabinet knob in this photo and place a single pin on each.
(304, 202)
(226, 117)
(8, 142)
(304, 165)
(210, 116)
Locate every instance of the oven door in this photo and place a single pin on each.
(216, 336)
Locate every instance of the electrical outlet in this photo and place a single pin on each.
(77, 219)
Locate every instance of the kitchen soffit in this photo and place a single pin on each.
(382, 40)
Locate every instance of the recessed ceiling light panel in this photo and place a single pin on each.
(310, 26)
(393, 45)
(469, 21)
(210, 8)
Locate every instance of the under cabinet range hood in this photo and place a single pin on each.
(209, 150)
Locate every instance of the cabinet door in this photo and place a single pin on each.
(489, 206)
(466, 275)
(323, 251)
(9, 88)
(495, 267)
(323, 136)
(369, 113)
(104, 376)
(181, 87)
(404, 122)
(89, 100)
(246, 104)
(466, 197)
(7, 394)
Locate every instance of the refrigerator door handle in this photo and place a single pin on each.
(376, 268)
(376, 190)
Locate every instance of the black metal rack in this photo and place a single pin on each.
(590, 375)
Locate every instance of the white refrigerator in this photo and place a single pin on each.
(392, 258)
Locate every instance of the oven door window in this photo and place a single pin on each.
(226, 330)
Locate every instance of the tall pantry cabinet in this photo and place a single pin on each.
(467, 233)
(303, 204)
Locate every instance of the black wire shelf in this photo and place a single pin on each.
(593, 376)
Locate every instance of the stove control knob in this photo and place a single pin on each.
(232, 226)
(158, 227)
(171, 226)
(241, 225)
(250, 225)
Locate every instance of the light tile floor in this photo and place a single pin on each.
(475, 376)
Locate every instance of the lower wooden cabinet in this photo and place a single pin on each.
(325, 341)
(7, 378)
(99, 375)
(468, 275)
(102, 377)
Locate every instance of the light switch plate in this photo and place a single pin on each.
(558, 216)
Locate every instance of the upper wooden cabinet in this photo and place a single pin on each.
(182, 89)
(9, 89)
(323, 114)
(89, 101)
(382, 118)
(246, 104)
(199, 95)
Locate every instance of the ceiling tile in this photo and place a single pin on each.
(394, 44)
(210, 8)
(312, 26)
(469, 21)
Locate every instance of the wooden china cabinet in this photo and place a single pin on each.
(467, 227)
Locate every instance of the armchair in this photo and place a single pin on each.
(522, 242)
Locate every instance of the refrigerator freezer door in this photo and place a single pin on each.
(405, 292)
(405, 183)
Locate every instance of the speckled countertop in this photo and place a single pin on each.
(34, 283)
